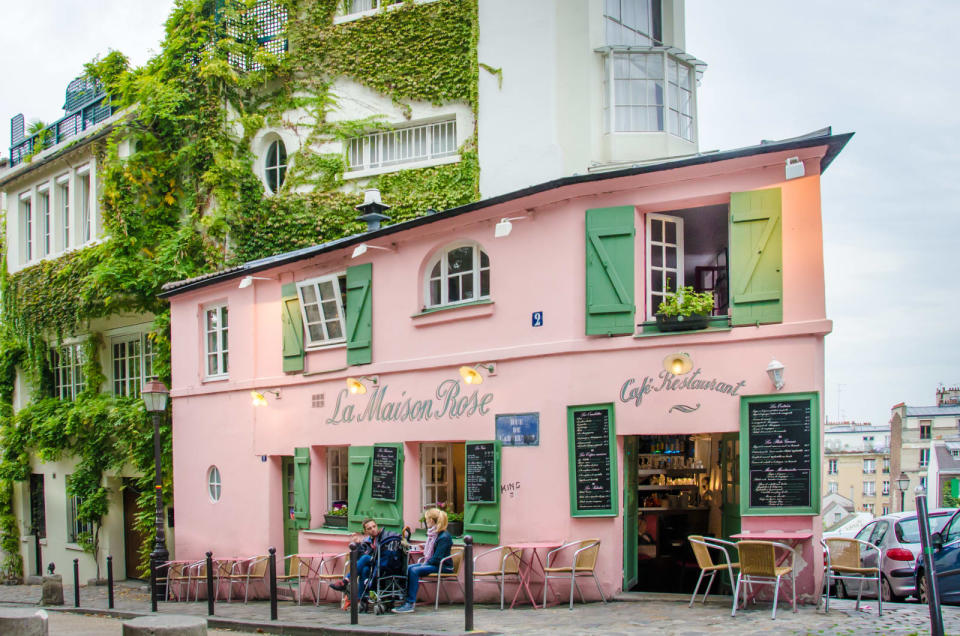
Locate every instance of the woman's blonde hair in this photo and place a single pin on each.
(439, 518)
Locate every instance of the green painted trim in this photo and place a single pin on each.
(649, 328)
(815, 497)
(433, 310)
(326, 530)
(613, 510)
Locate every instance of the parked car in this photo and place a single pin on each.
(898, 537)
(945, 543)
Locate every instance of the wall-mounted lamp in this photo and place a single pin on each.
(470, 375)
(356, 385)
(678, 363)
(794, 168)
(504, 227)
(361, 249)
(775, 371)
(260, 400)
(246, 281)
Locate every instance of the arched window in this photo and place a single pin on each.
(213, 484)
(276, 165)
(459, 273)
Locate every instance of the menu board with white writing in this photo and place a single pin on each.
(780, 447)
(593, 461)
(481, 464)
(384, 479)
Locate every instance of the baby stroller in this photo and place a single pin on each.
(387, 583)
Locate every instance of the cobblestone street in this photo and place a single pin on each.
(632, 614)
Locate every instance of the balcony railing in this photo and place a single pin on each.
(87, 105)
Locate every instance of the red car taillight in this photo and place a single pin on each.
(900, 554)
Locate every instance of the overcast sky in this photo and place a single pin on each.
(777, 69)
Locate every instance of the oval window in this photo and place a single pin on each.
(276, 165)
(213, 483)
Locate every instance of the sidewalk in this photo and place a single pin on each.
(666, 614)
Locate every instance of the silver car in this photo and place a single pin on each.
(898, 537)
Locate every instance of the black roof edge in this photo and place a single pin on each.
(834, 143)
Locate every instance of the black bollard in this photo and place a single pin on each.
(926, 545)
(76, 582)
(273, 583)
(210, 595)
(467, 583)
(153, 583)
(110, 582)
(354, 611)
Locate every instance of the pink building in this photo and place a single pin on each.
(589, 421)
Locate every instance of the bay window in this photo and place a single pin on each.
(648, 91)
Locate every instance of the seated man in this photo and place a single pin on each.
(372, 537)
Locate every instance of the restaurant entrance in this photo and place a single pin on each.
(677, 486)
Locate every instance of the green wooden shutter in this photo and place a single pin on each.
(301, 487)
(610, 248)
(360, 501)
(482, 520)
(292, 323)
(359, 314)
(756, 257)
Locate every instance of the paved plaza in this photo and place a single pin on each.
(630, 614)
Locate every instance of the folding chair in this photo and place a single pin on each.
(584, 563)
(439, 577)
(758, 564)
(845, 562)
(701, 550)
(509, 563)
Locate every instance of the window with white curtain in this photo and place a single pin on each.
(632, 22)
(648, 91)
(436, 473)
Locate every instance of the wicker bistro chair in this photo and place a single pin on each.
(246, 573)
(299, 578)
(439, 577)
(327, 574)
(845, 561)
(758, 564)
(509, 563)
(701, 550)
(584, 563)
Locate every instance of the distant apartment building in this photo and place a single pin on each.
(857, 465)
(913, 431)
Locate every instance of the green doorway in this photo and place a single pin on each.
(730, 483)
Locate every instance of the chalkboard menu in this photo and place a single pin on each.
(593, 460)
(384, 481)
(482, 472)
(781, 454)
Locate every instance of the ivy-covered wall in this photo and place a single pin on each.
(187, 202)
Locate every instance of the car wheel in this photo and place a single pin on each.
(922, 587)
(886, 591)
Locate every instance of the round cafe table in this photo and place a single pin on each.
(528, 572)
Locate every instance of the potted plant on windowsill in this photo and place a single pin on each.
(455, 523)
(686, 310)
(336, 517)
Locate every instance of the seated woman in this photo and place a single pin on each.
(435, 550)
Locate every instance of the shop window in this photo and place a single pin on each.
(337, 474)
(687, 248)
(460, 273)
(924, 429)
(213, 484)
(924, 457)
(132, 357)
(323, 303)
(66, 363)
(832, 466)
(275, 166)
(215, 341)
(76, 529)
(442, 476)
(869, 466)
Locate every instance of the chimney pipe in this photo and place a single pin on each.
(372, 209)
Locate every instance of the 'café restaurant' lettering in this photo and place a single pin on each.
(449, 403)
(670, 382)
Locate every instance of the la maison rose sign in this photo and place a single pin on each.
(449, 402)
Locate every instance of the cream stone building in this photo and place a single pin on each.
(857, 465)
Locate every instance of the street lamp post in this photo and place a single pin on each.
(903, 482)
(154, 395)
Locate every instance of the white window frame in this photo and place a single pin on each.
(832, 487)
(382, 151)
(62, 191)
(886, 488)
(614, 23)
(338, 283)
(869, 489)
(662, 271)
(831, 467)
(434, 459)
(75, 527)
(214, 484)
(85, 188)
(221, 352)
(130, 372)
(280, 168)
(338, 471)
(869, 466)
(43, 218)
(68, 380)
(924, 457)
(26, 227)
(477, 271)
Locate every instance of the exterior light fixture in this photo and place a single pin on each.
(504, 227)
(903, 482)
(775, 371)
(260, 400)
(793, 168)
(362, 248)
(356, 386)
(470, 374)
(678, 363)
(246, 281)
(154, 394)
